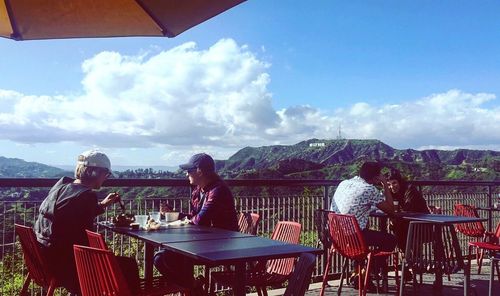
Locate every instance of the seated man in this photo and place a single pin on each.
(212, 204)
(357, 195)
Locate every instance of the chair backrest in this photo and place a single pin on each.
(96, 240)
(496, 235)
(474, 229)
(346, 236)
(99, 273)
(288, 232)
(248, 223)
(33, 259)
(425, 241)
(435, 210)
(301, 276)
(322, 229)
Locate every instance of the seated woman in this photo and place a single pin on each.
(410, 200)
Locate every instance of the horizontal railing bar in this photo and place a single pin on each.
(49, 182)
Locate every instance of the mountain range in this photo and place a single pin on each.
(321, 159)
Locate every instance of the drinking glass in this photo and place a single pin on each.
(155, 216)
(142, 220)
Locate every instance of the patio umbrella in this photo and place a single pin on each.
(53, 19)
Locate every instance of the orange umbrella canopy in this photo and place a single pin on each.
(53, 19)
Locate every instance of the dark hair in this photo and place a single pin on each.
(370, 170)
(395, 174)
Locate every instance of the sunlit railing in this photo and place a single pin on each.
(274, 200)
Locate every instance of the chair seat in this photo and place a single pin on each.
(485, 245)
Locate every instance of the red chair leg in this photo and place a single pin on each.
(25, 285)
(469, 255)
(52, 288)
(498, 270)
(325, 273)
(480, 260)
(360, 280)
(396, 274)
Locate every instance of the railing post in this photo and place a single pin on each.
(325, 206)
(490, 205)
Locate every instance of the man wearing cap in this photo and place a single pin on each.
(68, 210)
(212, 204)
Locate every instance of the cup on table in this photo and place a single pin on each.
(396, 205)
(171, 216)
(142, 220)
(155, 216)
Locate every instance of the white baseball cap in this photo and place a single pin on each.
(94, 158)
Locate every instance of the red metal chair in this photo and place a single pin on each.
(474, 229)
(96, 240)
(492, 245)
(35, 263)
(99, 274)
(435, 210)
(348, 241)
(249, 223)
(267, 273)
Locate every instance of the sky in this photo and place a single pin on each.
(413, 74)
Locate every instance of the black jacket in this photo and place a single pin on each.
(65, 213)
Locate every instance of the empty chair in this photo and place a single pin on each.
(435, 210)
(348, 241)
(248, 223)
(301, 277)
(99, 274)
(38, 271)
(473, 229)
(270, 272)
(432, 248)
(492, 245)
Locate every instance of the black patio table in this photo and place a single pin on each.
(438, 220)
(170, 234)
(213, 246)
(237, 251)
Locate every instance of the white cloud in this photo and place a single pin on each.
(217, 100)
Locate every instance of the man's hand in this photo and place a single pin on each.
(110, 199)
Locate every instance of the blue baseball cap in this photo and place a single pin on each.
(201, 161)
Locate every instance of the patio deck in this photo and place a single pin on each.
(479, 284)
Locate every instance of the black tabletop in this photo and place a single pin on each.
(235, 250)
(182, 233)
(432, 218)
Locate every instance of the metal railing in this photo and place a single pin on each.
(274, 200)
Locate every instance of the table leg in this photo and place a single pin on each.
(239, 285)
(439, 258)
(148, 263)
(492, 276)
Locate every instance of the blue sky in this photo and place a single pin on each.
(414, 74)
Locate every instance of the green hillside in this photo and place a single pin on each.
(18, 168)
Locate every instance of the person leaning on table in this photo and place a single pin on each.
(212, 204)
(357, 196)
(68, 210)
